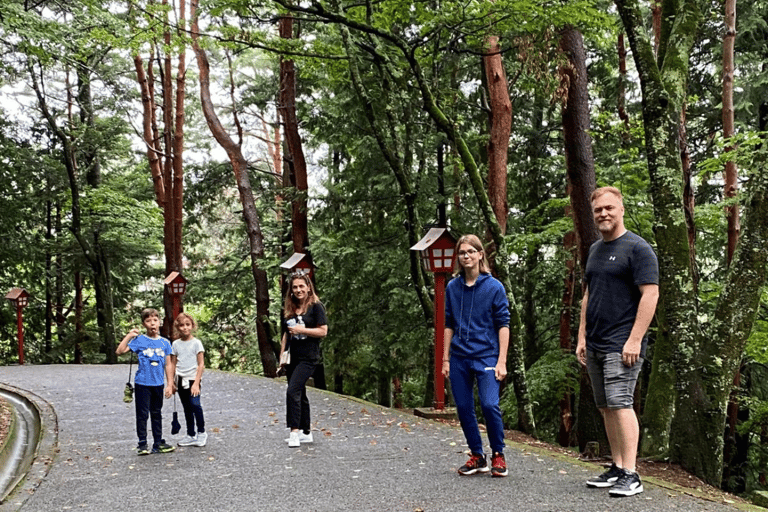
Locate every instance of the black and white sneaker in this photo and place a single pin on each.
(628, 484)
(607, 479)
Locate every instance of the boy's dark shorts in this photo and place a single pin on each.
(613, 384)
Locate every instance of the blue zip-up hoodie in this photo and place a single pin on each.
(476, 313)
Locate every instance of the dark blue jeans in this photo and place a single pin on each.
(149, 404)
(296, 397)
(193, 410)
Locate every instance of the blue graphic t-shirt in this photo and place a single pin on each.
(152, 354)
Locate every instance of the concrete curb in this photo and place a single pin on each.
(45, 450)
(5, 448)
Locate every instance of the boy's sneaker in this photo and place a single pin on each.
(607, 479)
(163, 448)
(303, 438)
(498, 465)
(202, 438)
(628, 484)
(142, 450)
(293, 440)
(475, 464)
(188, 441)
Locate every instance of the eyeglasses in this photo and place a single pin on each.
(468, 252)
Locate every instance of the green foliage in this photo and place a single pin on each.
(554, 376)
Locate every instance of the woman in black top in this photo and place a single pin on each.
(304, 323)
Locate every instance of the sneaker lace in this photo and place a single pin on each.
(499, 462)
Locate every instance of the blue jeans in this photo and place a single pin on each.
(193, 409)
(296, 397)
(464, 373)
(149, 404)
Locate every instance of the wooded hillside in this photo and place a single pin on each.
(217, 139)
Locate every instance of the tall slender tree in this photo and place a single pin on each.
(164, 134)
(251, 218)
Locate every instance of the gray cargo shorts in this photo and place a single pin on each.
(613, 384)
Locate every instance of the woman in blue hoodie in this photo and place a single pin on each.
(476, 340)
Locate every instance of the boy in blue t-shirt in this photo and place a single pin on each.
(155, 369)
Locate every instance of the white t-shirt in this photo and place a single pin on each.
(186, 357)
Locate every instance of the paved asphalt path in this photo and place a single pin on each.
(364, 458)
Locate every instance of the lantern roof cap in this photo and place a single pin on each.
(294, 260)
(16, 293)
(432, 236)
(175, 277)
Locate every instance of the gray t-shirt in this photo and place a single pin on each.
(186, 357)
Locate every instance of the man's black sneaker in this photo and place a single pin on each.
(607, 479)
(628, 484)
(163, 448)
(475, 464)
(142, 450)
(498, 465)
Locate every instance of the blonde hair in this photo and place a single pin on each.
(476, 244)
(177, 323)
(291, 304)
(598, 192)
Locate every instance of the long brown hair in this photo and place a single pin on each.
(476, 244)
(291, 304)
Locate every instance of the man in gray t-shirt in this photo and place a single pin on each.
(621, 292)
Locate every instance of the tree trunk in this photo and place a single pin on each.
(79, 306)
(564, 434)
(580, 170)
(49, 281)
(296, 167)
(579, 160)
(730, 193)
(500, 119)
(98, 259)
(706, 355)
(621, 88)
(731, 176)
(250, 215)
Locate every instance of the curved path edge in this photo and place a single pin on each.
(46, 447)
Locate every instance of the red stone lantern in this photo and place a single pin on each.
(19, 298)
(437, 254)
(177, 287)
